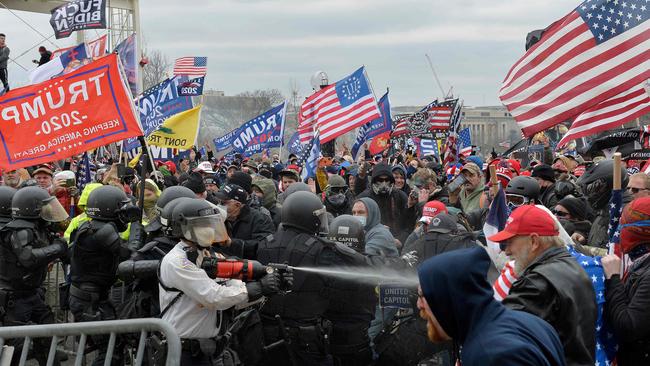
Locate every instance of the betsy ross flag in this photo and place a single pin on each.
(465, 142)
(598, 51)
(609, 114)
(191, 66)
(338, 108)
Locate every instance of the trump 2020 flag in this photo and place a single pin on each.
(294, 145)
(191, 87)
(262, 132)
(338, 108)
(224, 142)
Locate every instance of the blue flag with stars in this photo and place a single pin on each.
(615, 210)
(83, 172)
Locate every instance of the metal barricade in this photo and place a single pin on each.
(83, 330)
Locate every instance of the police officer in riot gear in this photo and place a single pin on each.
(28, 246)
(96, 251)
(296, 320)
(352, 304)
(6, 194)
(191, 300)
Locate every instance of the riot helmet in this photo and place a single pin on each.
(521, 190)
(6, 194)
(170, 194)
(34, 203)
(109, 203)
(347, 230)
(200, 222)
(598, 181)
(296, 187)
(170, 227)
(304, 211)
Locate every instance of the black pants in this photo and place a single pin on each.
(30, 310)
(87, 311)
(302, 350)
(4, 78)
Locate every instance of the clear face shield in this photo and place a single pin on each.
(321, 214)
(205, 230)
(52, 211)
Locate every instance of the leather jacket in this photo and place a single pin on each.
(556, 288)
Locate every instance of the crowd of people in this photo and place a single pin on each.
(229, 252)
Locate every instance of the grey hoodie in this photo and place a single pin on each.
(379, 240)
(4, 57)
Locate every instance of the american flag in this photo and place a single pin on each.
(611, 113)
(191, 66)
(615, 210)
(465, 142)
(599, 50)
(83, 172)
(338, 108)
(440, 113)
(429, 147)
(309, 158)
(401, 125)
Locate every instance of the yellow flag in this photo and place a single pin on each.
(135, 160)
(178, 131)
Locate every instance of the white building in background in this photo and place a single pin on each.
(490, 125)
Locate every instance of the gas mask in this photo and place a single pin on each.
(382, 188)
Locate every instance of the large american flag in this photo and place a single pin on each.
(191, 66)
(598, 51)
(609, 114)
(338, 108)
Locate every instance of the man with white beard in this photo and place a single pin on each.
(551, 284)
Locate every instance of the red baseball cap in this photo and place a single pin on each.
(525, 220)
(431, 209)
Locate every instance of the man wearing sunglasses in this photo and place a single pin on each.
(551, 284)
(337, 198)
(639, 185)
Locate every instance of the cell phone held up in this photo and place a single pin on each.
(457, 183)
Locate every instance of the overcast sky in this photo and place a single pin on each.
(254, 44)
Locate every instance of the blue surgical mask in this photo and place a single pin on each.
(362, 220)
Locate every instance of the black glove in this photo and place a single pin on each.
(267, 285)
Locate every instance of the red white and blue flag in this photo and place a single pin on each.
(465, 142)
(191, 66)
(338, 108)
(609, 114)
(596, 52)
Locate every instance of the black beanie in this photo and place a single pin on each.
(576, 207)
(195, 183)
(543, 171)
(243, 180)
(382, 169)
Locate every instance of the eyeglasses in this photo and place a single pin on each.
(635, 190)
(560, 213)
(382, 180)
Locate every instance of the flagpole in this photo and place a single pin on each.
(435, 75)
(284, 118)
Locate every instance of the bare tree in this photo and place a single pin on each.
(156, 69)
(262, 100)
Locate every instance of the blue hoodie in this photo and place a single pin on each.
(379, 240)
(459, 295)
